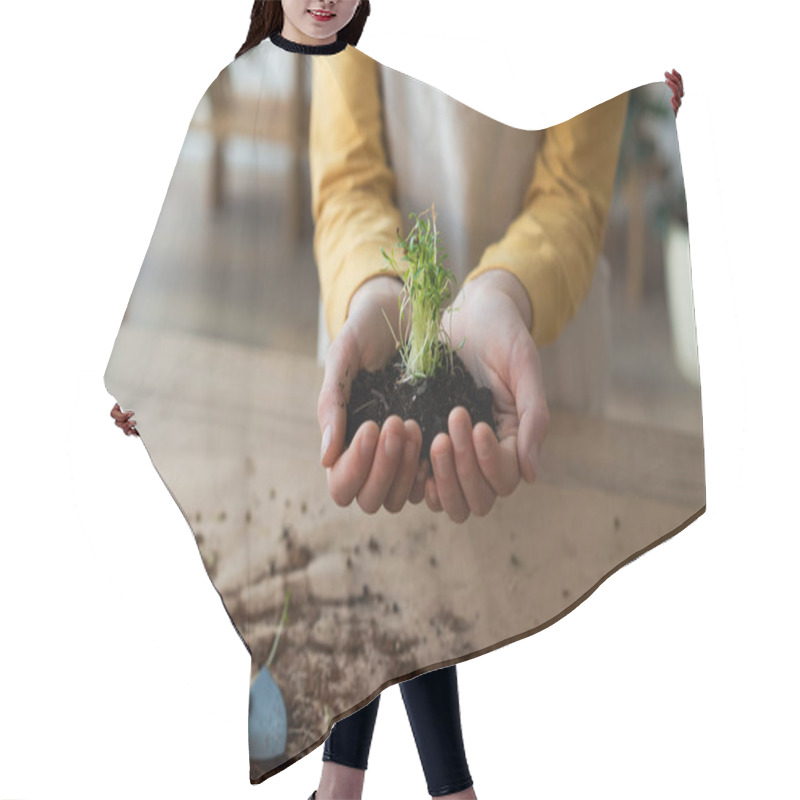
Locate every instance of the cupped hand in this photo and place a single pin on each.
(124, 420)
(380, 468)
(472, 466)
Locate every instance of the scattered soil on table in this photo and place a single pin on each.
(378, 395)
(324, 636)
(314, 672)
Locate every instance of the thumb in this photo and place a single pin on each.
(340, 369)
(534, 417)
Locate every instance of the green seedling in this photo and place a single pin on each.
(281, 623)
(427, 287)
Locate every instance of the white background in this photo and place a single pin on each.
(120, 674)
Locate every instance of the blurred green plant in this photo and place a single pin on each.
(649, 154)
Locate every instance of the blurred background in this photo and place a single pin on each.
(654, 363)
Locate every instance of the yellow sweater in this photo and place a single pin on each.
(551, 246)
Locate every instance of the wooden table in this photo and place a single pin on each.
(233, 432)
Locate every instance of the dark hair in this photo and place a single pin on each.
(266, 18)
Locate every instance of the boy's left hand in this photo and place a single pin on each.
(471, 467)
(124, 420)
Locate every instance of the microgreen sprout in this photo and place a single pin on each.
(427, 287)
(284, 617)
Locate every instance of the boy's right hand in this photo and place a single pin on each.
(379, 467)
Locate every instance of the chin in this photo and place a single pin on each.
(315, 34)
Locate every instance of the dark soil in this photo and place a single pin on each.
(377, 395)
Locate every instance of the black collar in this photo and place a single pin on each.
(308, 49)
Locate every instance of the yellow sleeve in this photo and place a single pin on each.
(553, 245)
(352, 185)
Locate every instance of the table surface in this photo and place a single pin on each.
(233, 433)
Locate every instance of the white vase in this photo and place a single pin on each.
(680, 301)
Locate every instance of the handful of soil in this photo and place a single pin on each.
(429, 401)
(426, 379)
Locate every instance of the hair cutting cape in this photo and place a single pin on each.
(297, 168)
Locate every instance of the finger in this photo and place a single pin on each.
(675, 81)
(418, 491)
(675, 101)
(347, 475)
(431, 495)
(406, 475)
(126, 420)
(479, 495)
(676, 91)
(387, 460)
(499, 470)
(447, 487)
(340, 370)
(533, 427)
